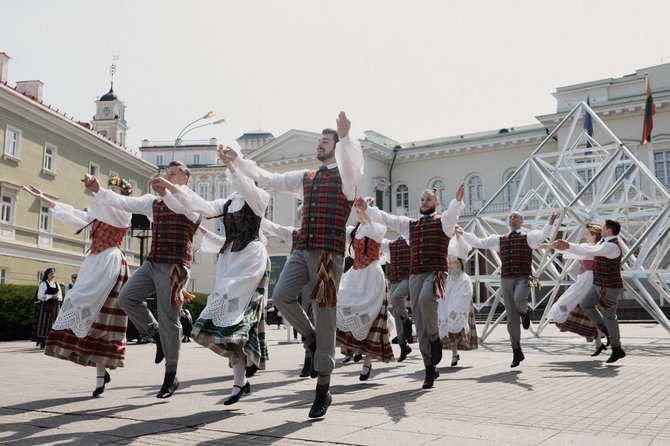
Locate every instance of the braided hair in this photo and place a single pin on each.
(353, 234)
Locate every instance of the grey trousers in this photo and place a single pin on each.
(154, 277)
(604, 316)
(423, 301)
(299, 271)
(398, 292)
(515, 297)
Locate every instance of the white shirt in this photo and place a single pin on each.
(601, 249)
(400, 224)
(534, 239)
(144, 204)
(349, 159)
(275, 230)
(42, 289)
(97, 211)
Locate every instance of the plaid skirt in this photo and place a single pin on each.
(250, 332)
(377, 345)
(105, 342)
(578, 322)
(466, 340)
(45, 316)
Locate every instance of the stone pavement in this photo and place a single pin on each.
(558, 396)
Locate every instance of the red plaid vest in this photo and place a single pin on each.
(172, 236)
(607, 272)
(294, 238)
(428, 245)
(105, 236)
(325, 212)
(517, 256)
(400, 260)
(241, 227)
(362, 260)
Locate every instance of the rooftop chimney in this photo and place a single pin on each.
(4, 63)
(31, 88)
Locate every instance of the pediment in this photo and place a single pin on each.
(290, 145)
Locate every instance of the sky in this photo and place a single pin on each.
(411, 70)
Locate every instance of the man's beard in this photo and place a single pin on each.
(326, 155)
(427, 211)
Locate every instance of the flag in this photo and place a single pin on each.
(649, 112)
(588, 124)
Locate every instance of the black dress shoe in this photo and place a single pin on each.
(244, 390)
(518, 357)
(436, 351)
(454, 360)
(431, 375)
(304, 373)
(404, 351)
(617, 353)
(107, 377)
(365, 376)
(250, 370)
(358, 357)
(347, 359)
(170, 384)
(99, 390)
(525, 320)
(599, 349)
(322, 401)
(159, 349)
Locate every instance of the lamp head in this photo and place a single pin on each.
(208, 115)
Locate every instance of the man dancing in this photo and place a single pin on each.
(318, 255)
(516, 254)
(607, 283)
(428, 242)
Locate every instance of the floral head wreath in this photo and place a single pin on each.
(370, 201)
(594, 227)
(124, 185)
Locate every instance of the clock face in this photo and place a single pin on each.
(106, 111)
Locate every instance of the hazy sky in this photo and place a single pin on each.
(411, 70)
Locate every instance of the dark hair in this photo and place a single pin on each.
(336, 137)
(182, 167)
(353, 234)
(45, 276)
(614, 225)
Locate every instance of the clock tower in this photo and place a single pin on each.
(110, 116)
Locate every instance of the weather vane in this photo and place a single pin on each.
(112, 68)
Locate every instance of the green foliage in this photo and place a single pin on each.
(17, 311)
(196, 305)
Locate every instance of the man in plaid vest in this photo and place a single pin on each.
(428, 242)
(607, 283)
(318, 255)
(398, 253)
(166, 270)
(516, 254)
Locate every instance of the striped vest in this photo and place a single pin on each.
(172, 236)
(428, 245)
(325, 212)
(517, 256)
(241, 227)
(400, 260)
(105, 236)
(607, 272)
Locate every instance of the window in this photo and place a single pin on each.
(159, 160)
(662, 166)
(203, 190)
(297, 206)
(7, 209)
(220, 229)
(586, 175)
(93, 169)
(512, 187)
(270, 210)
(440, 190)
(39, 276)
(45, 218)
(130, 242)
(222, 189)
(402, 196)
(12, 142)
(191, 285)
(196, 158)
(475, 190)
(49, 164)
(4, 275)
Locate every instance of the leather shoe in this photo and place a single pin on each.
(431, 375)
(617, 353)
(404, 351)
(244, 390)
(525, 321)
(347, 359)
(159, 349)
(454, 360)
(358, 357)
(599, 349)
(436, 351)
(99, 390)
(407, 330)
(170, 384)
(250, 370)
(322, 401)
(304, 373)
(518, 357)
(365, 376)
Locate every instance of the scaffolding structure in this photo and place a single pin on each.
(582, 180)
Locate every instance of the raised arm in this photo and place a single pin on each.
(349, 157)
(449, 219)
(536, 237)
(584, 252)
(275, 230)
(211, 242)
(62, 212)
(491, 242)
(397, 223)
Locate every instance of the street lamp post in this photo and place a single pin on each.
(189, 127)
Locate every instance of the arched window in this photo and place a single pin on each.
(474, 190)
(402, 196)
(512, 187)
(440, 190)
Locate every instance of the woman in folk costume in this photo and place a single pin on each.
(456, 312)
(362, 307)
(91, 327)
(566, 312)
(47, 304)
(232, 323)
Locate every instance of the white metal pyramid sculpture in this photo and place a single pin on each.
(582, 180)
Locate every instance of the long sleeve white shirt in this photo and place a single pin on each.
(401, 224)
(144, 204)
(589, 251)
(276, 230)
(41, 292)
(492, 242)
(97, 211)
(348, 158)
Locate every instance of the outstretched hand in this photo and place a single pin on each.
(360, 204)
(227, 154)
(35, 192)
(552, 219)
(91, 183)
(460, 192)
(561, 245)
(343, 125)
